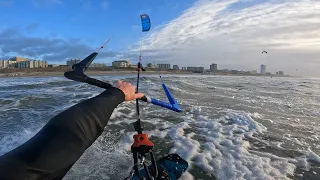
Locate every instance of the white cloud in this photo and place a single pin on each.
(220, 31)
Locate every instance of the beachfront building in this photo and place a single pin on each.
(121, 63)
(73, 61)
(150, 65)
(213, 68)
(18, 59)
(184, 68)
(7, 64)
(31, 64)
(196, 69)
(53, 65)
(263, 69)
(175, 67)
(20, 62)
(281, 73)
(97, 65)
(254, 72)
(3, 64)
(164, 66)
(133, 66)
(37, 64)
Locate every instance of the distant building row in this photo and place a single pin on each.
(153, 66)
(121, 63)
(23, 64)
(280, 73)
(75, 61)
(263, 69)
(196, 69)
(127, 64)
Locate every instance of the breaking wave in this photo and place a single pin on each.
(231, 127)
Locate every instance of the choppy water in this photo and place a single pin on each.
(231, 127)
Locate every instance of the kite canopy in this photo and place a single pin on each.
(145, 22)
(264, 52)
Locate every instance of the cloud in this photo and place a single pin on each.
(223, 32)
(14, 42)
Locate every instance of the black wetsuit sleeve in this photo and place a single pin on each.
(61, 142)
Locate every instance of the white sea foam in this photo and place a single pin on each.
(225, 152)
(7, 82)
(102, 161)
(223, 146)
(310, 155)
(13, 140)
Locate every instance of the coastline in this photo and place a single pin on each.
(90, 73)
(59, 72)
(113, 73)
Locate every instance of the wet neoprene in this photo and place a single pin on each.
(61, 142)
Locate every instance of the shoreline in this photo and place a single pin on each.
(90, 73)
(115, 73)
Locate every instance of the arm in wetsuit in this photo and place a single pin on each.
(61, 142)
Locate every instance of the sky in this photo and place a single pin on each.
(231, 33)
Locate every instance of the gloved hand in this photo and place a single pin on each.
(129, 90)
